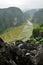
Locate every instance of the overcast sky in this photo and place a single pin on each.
(23, 4)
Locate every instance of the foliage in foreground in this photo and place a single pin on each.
(37, 35)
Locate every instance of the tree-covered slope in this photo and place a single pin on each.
(10, 17)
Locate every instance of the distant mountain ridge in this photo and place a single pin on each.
(29, 13)
(34, 15)
(38, 17)
(10, 17)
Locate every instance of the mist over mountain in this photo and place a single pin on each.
(29, 13)
(38, 17)
(9, 17)
(34, 15)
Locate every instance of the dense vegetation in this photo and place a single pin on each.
(37, 35)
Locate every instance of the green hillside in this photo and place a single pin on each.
(22, 32)
(10, 17)
(37, 34)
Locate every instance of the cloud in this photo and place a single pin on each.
(23, 4)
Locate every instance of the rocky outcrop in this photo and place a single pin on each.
(21, 53)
